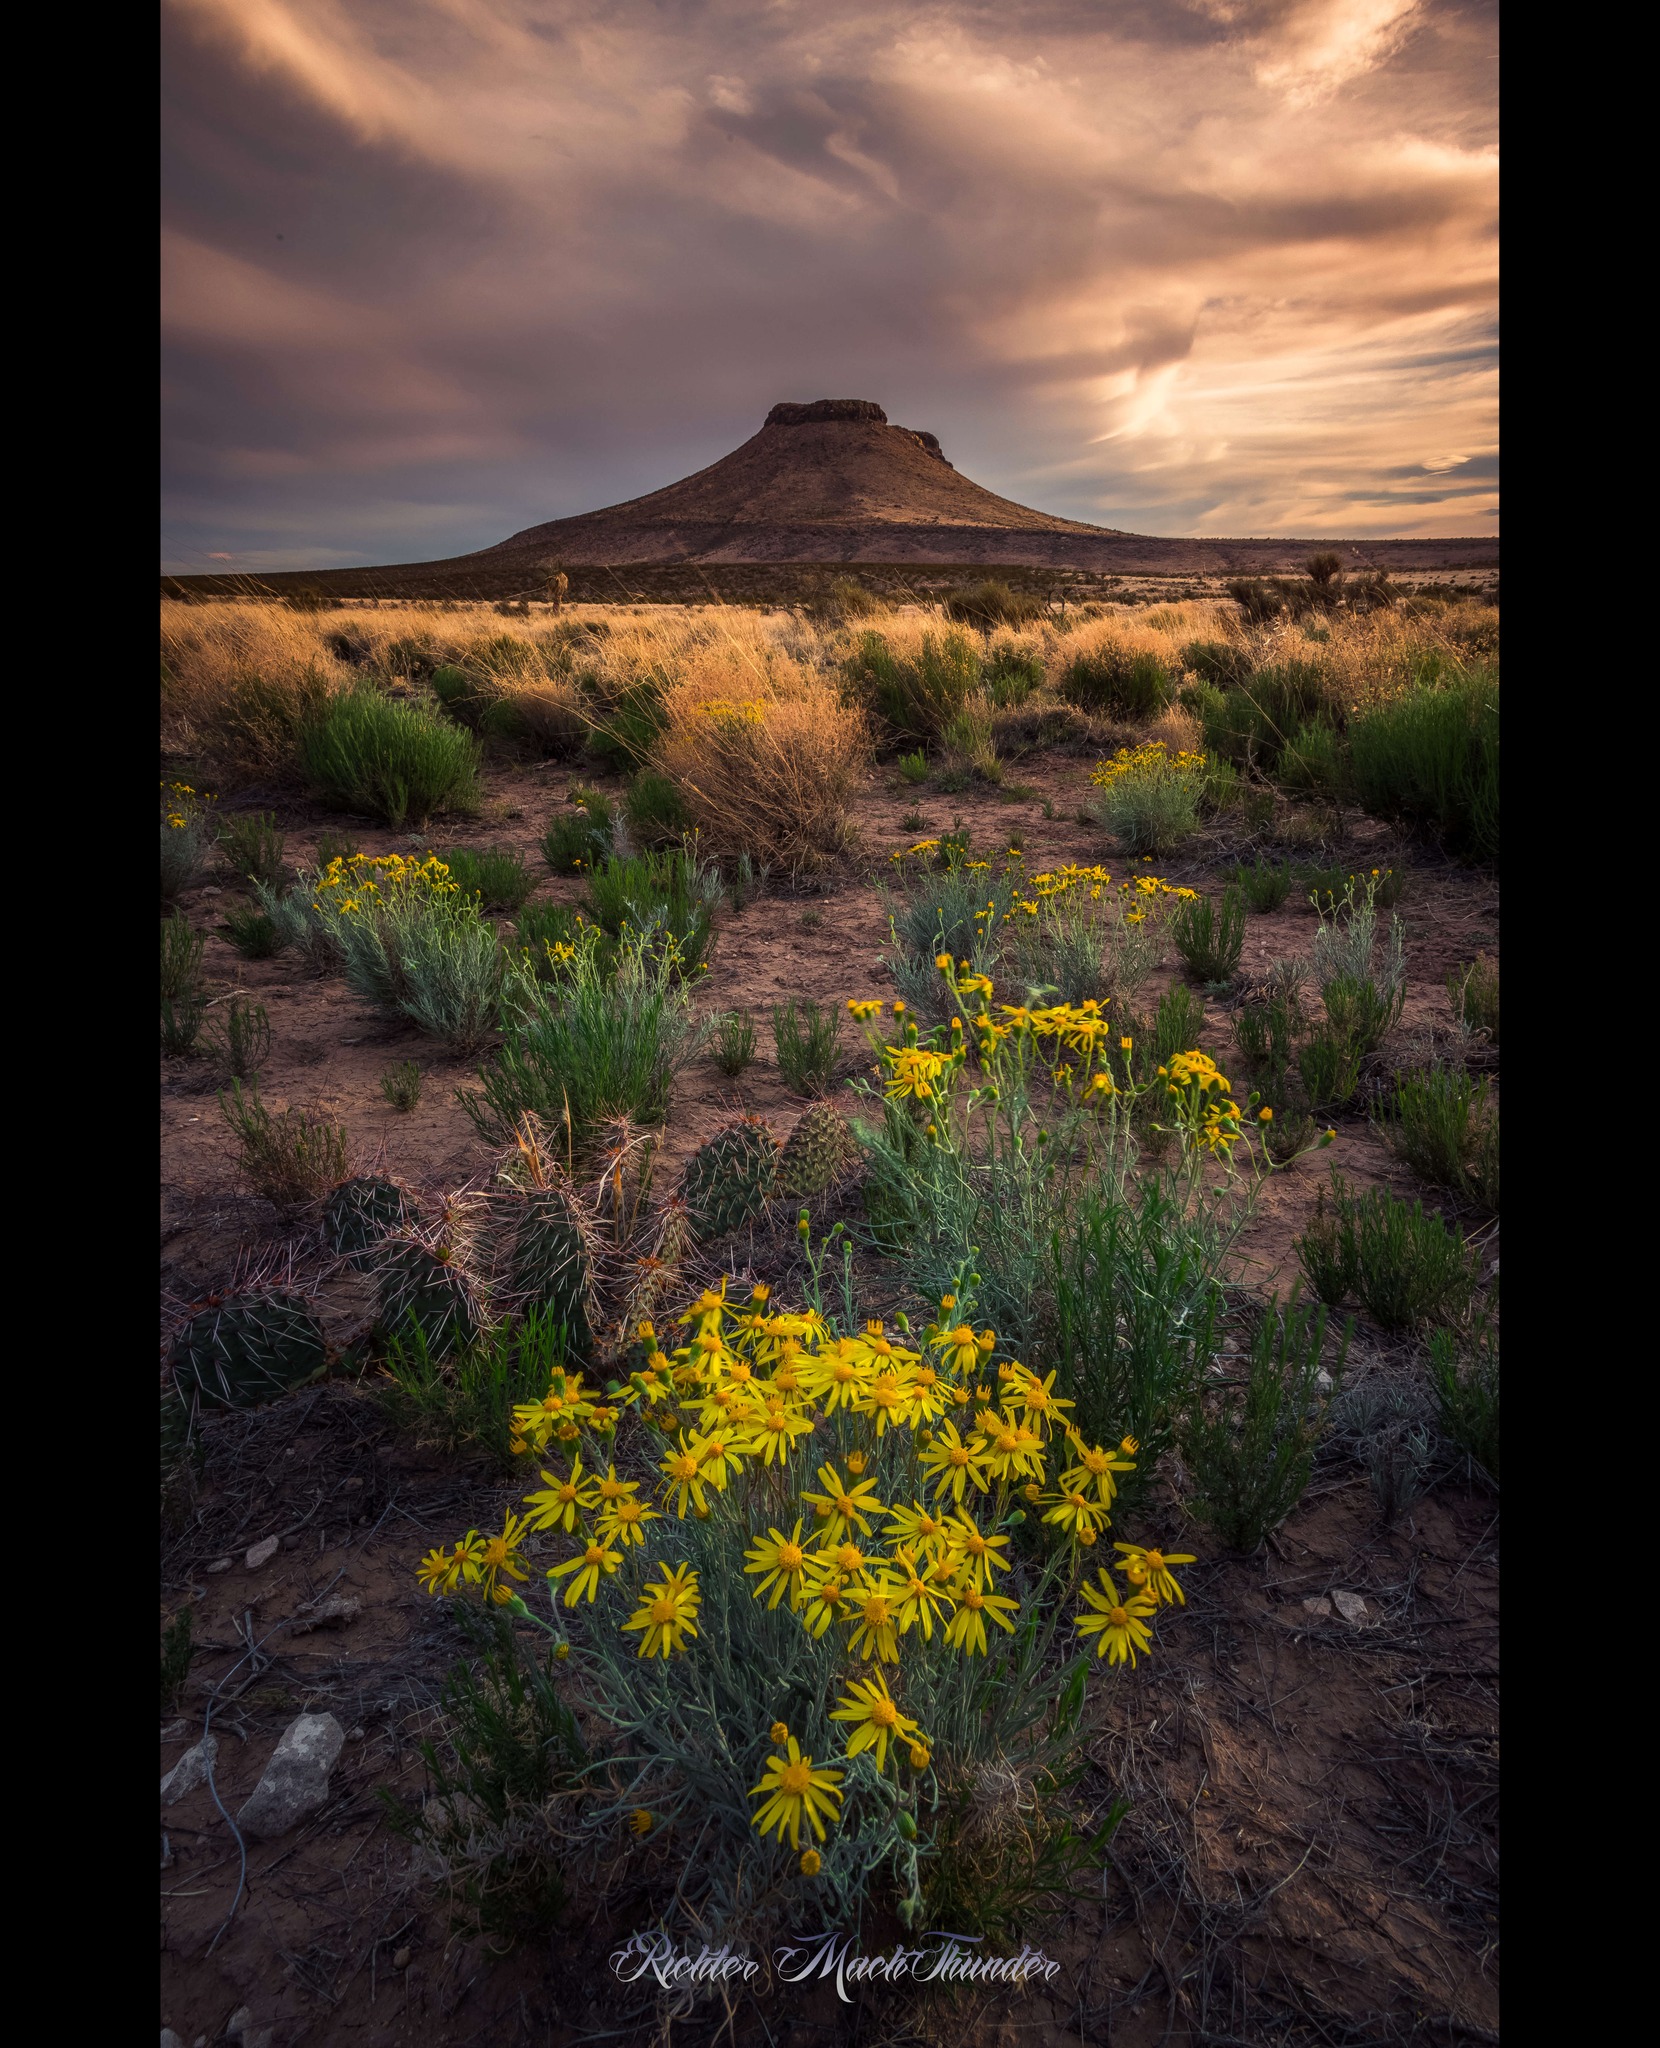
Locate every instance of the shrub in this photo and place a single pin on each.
(413, 946)
(968, 736)
(401, 1085)
(1446, 1127)
(181, 958)
(661, 896)
(1326, 1248)
(1266, 1031)
(1407, 1268)
(464, 697)
(290, 1155)
(1363, 990)
(1224, 664)
(952, 910)
(1432, 757)
(808, 1038)
(1260, 601)
(1254, 722)
(993, 603)
(1325, 570)
(913, 768)
(1387, 1430)
(1149, 797)
(1265, 883)
(238, 683)
(1011, 676)
(1065, 948)
(1474, 994)
(547, 934)
(734, 1042)
(253, 932)
(1249, 1448)
(297, 921)
(915, 695)
(253, 847)
(1116, 681)
(1329, 1064)
(369, 753)
(492, 877)
(181, 1024)
(461, 1404)
(1465, 1381)
(603, 1038)
(1313, 763)
(1211, 937)
(242, 1039)
(576, 839)
(186, 840)
(656, 811)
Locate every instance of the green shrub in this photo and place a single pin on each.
(660, 895)
(181, 958)
(1116, 682)
(297, 921)
(1223, 664)
(808, 1038)
(290, 1155)
(461, 1404)
(333, 846)
(1363, 988)
(1265, 883)
(603, 1038)
(579, 838)
(1432, 758)
(1259, 600)
(734, 1042)
(1329, 1066)
(1249, 1448)
(181, 1024)
(1465, 1381)
(913, 768)
(628, 717)
(418, 951)
(946, 911)
(185, 849)
(390, 760)
(1211, 936)
(1326, 1248)
(1446, 1127)
(1313, 763)
(490, 876)
(1407, 1268)
(253, 932)
(1474, 994)
(915, 695)
(1153, 808)
(462, 696)
(242, 1039)
(656, 811)
(253, 847)
(1252, 723)
(401, 1085)
(1011, 677)
(1266, 1032)
(1065, 948)
(544, 928)
(1386, 1428)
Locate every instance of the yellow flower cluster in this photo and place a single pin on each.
(727, 710)
(1153, 758)
(182, 805)
(365, 881)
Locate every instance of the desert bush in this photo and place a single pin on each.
(181, 958)
(1432, 757)
(602, 1038)
(253, 847)
(1387, 1429)
(958, 909)
(186, 839)
(734, 1036)
(993, 603)
(253, 932)
(968, 738)
(1363, 988)
(1445, 1125)
(1224, 664)
(1253, 722)
(241, 1039)
(414, 946)
(913, 768)
(391, 760)
(547, 710)
(1314, 763)
(1116, 680)
(1150, 797)
(546, 935)
(1065, 947)
(1249, 1447)
(581, 836)
(1464, 1377)
(490, 876)
(1265, 884)
(807, 1036)
(401, 1085)
(1474, 994)
(1211, 936)
(656, 811)
(663, 897)
(1266, 1031)
(1407, 1268)
(238, 684)
(1259, 601)
(914, 694)
(289, 1156)
(1329, 1067)
(1012, 674)
(298, 922)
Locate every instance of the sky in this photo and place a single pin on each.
(436, 270)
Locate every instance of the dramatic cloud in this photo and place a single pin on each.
(437, 269)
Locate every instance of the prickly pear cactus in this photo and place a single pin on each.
(425, 1291)
(655, 1272)
(726, 1182)
(246, 1349)
(361, 1212)
(550, 1260)
(817, 1153)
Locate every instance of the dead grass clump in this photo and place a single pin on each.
(765, 755)
(239, 681)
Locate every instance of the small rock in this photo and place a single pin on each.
(333, 1613)
(1322, 1378)
(296, 1780)
(238, 2023)
(1319, 1605)
(401, 1960)
(212, 889)
(1352, 1608)
(262, 1553)
(174, 1730)
(190, 1771)
(219, 1564)
(169, 2039)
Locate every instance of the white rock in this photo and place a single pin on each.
(238, 2023)
(174, 1730)
(1352, 1608)
(190, 1771)
(169, 2039)
(262, 1553)
(1322, 1378)
(220, 1564)
(296, 1780)
(1318, 1605)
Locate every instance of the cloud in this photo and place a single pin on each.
(436, 269)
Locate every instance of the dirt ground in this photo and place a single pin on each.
(1310, 1854)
